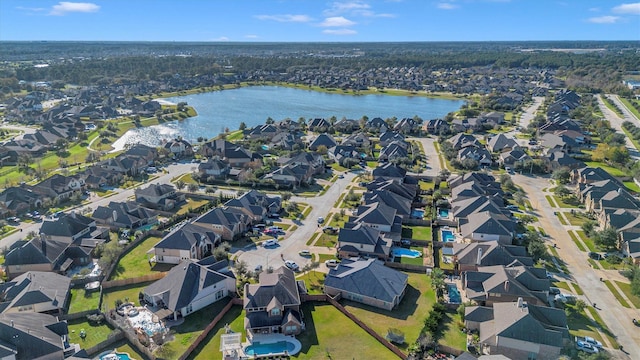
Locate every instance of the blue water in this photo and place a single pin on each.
(447, 236)
(417, 213)
(272, 348)
(454, 294)
(403, 252)
(253, 105)
(121, 356)
(443, 213)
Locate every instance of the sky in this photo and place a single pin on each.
(319, 20)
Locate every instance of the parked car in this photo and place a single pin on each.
(554, 290)
(270, 242)
(291, 265)
(512, 207)
(331, 263)
(586, 347)
(565, 298)
(304, 253)
(341, 176)
(595, 255)
(589, 340)
(258, 268)
(320, 220)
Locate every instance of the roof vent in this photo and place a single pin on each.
(520, 303)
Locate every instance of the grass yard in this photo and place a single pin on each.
(578, 289)
(550, 200)
(327, 240)
(615, 293)
(211, 344)
(95, 334)
(123, 346)
(191, 205)
(576, 218)
(338, 221)
(337, 167)
(408, 317)
(632, 186)
(187, 332)
(372, 164)
(413, 261)
(314, 281)
(576, 241)
(610, 169)
(313, 238)
(626, 289)
(417, 232)
(82, 301)
(561, 285)
(587, 240)
(630, 106)
(109, 296)
(561, 219)
(330, 334)
(451, 334)
(581, 325)
(424, 185)
(136, 262)
(603, 327)
(566, 202)
(443, 265)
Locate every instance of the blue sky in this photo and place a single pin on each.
(319, 20)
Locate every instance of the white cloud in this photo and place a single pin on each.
(285, 18)
(339, 31)
(338, 8)
(65, 7)
(447, 6)
(633, 8)
(608, 19)
(337, 21)
(251, 36)
(31, 9)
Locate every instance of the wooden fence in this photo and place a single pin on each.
(418, 222)
(79, 315)
(131, 338)
(408, 267)
(135, 280)
(212, 324)
(114, 336)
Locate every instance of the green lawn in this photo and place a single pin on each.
(235, 135)
(576, 241)
(313, 238)
(576, 219)
(109, 296)
(581, 325)
(626, 289)
(424, 185)
(417, 232)
(210, 347)
(451, 334)
(81, 301)
(136, 262)
(338, 221)
(610, 169)
(630, 107)
(550, 200)
(443, 265)
(603, 327)
(327, 240)
(413, 261)
(561, 285)
(407, 317)
(632, 186)
(578, 289)
(567, 202)
(187, 332)
(95, 334)
(587, 240)
(190, 205)
(615, 293)
(314, 280)
(329, 334)
(337, 167)
(123, 346)
(561, 219)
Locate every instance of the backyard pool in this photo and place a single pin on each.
(275, 348)
(417, 213)
(403, 252)
(115, 356)
(454, 294)
(447, 236)
(443, 213)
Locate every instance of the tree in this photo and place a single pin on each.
(561, 191)
(588, 227)
(286, 196)
(537, 250)
(193, 187)
(438, 282)
(607, 238)
(562, 175)
(180, 184)
(242, 126)
(322, 150)
(527, 219)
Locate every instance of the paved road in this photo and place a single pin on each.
(433, 162)
(119, 196)
(616, 123)
(628, 115)
(617, 318)
(288, 248)
(23, 129)
(530, 112)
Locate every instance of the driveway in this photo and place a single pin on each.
(288, 248)
(616, 122)
(617, 318)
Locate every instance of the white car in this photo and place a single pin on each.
(270, 242)
(291, 265)
(586, 347)
(331, 263)
(592, 342)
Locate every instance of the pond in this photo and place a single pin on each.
(253, 105)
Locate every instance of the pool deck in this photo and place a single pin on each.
(273, 338)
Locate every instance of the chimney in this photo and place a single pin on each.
(506, 286)
(479, 258)
(73, 214)
(520, 303)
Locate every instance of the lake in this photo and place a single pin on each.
(253, 105)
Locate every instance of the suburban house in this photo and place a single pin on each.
(28, 335)
(36, 291)
(492, 284)
(325, 140)
(470, 257)
(214, 167)
(158, 196)
(256, 205)
(59, 187)
(479, 154)
(436, 126)
(273, 305)
(462, 140)
(394, 150)
(191, 286)
(488, 226)
(501, 143)
(389, 171)
(129, 215)
(179, 148)
(367, 281)
(190, 241)
(519, 330)
(359, 140)
(389, 137)
(362, 240)
(229, 225)
(18, 200)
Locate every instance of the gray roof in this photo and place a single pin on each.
(219, 216)
(487, 222)
(491, 253)
(376, 213)
(517, 281)
(280, 284)
(401, 204)
(66, 225)
(368, 278)
(186, 236)
(185, 280)
(155, 190)
(33, 335)
(46, 291)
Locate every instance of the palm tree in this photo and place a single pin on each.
(437, 282)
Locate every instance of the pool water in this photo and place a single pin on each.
(403, 252)
(443, 213)
(447, 236)
(454, 294)
(417, 213)
(271, 348)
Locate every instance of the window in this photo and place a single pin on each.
(532, 356)
(189, 308)
(275, 311)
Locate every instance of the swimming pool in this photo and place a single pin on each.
(454, 294)
(114, 356)
(443, 213)
(403, 252)
(447, 236)
(417, 213)
(275, 348)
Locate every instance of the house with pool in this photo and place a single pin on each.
(367, 281)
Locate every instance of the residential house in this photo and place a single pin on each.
(560, 142)
(158, 196)
(376, 124)
(59, 187)
(129, 165)
(214, 167)
(19, 200)
(230, 225)
(189, 241)
(501, 143)
(389, 137)
(341, 153)
(493, 284)
(399, 202)
(256, 205)
(367, 281)
(360, 140)
(393, 151)
(478, 154)
(436, 126)
(347, 126)
(557, 159)
(179, 148)
(191, 286)
(469, 257)
(36, 291)
(265, 132)
(389, 171)
(325, 140)
(488, 226)
(519, 330)
(462, 140)
(318, 125)
(128, 215)
(273, 304)
(363, 240)
(407, 126)
(28, 335)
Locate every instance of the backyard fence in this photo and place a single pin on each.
(449, 350)
(114, 336)
(408, 267)
(79, 315)
(136, 280)
(418, 222)
(212, 324)
(140, 237)
(131, 338)
(366, 328)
